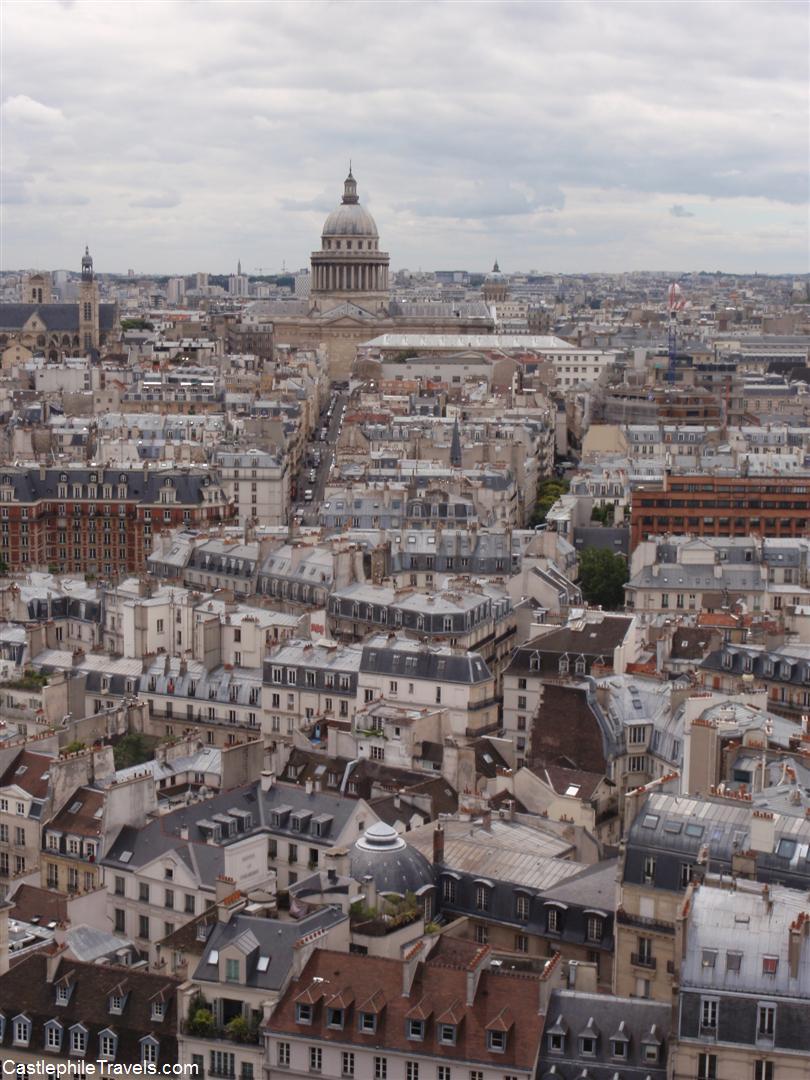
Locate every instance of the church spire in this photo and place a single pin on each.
(87, 265)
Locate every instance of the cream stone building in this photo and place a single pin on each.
(349, 301)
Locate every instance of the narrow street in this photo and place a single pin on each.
(307, 511)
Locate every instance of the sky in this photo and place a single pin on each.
(174, 137)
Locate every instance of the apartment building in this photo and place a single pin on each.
(258, 484)
(396, 668)
(245, 963)
(674, 840)
(730, 505)
(98, 520)
(304, 680)
(411, 1018)
(24, 797)
(744, 982)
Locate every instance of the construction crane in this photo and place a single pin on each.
(675, 302)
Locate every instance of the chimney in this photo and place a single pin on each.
(267, 780)
(486, 820)
(763, 831)
(410, 964)
(799, 928)
(309, 787)
(438, 845)
(184, 832)
(370, 891)
(582, 976)
(52, 962)
(481, 961)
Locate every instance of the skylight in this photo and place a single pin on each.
(213, 956)
(263, 963)
(125, 856)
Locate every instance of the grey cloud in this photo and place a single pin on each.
(466, 132)
(679, 211)
(157, 201)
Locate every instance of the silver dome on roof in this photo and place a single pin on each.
(350, 219)
(395, 866)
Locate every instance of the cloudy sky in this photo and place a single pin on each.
(175, 137)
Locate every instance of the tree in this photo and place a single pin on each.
(602, 577)
(136, 324)
(132, 749)
(548, 491)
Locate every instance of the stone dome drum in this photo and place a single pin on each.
(394, 865)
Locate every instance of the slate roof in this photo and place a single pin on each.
(29, 771)
(26, 991)
(404, 657)
(61, 318)
(572, 1014)
(262, 937)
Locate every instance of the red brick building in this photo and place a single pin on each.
(722, 506)
(98, 520)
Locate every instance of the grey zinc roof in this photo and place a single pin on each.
(386, 656)
(509, 851)
(752, 922)
(258, 937)
(570, 1013)
(56, 317)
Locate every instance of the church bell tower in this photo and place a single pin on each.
(88, 305)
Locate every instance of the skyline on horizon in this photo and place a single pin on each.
(567, 152)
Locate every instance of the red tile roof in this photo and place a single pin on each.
(34, 777)
(503, 1001)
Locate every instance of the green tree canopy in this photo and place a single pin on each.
(602, 577)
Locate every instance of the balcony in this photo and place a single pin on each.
(642, 960)
(236, 1031)
(628, 918)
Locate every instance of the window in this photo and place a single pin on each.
(283, 1055)
(303, 1013)
(521, 943)
(380, 1068)
(334, 1018)
(618, 1048)
(482, 897)
(78, 1040)
(368, 1022)
(447, 1034)
(21, 1031)
(347, 1063)
(120, 888)
(158, 1010)
(315, 1058)
(709, 958)
(766, 1021)
(686, 874)
(120, 921)
(169, 898)
(53, 1036)
(143, 926)
(651, 1052)
(411, 1070)
(556, 1042)
(443, 1072)
(593, 930)
(189, 904)
(416, 1029)
(707, 1067)
(522, 904)
(708, 1014)
(449, 890)
(107, 1043)
(553, 920)
(222, 1063)
(496, 1041)
(587, 1046)
(649, 869)
(232, 970)
(143, 892)
(734, 961)
(769, 965)
(763, 1070)
(481, 934)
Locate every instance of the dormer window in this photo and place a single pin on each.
(556, 1042)
(587, 1046)
(368, 1022)
(158, 1010)
(334, 1018)
(149, 1050)
(563, 666)
(107, 1045)
(447, 1034)
(53, 1035)
(416, 1029)
(618, 1048)
(117, 1001)
(303, 1013)
(78, 1040)
(651, 1052)
(496, 1042)
(63, 990)
(21, 1031)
